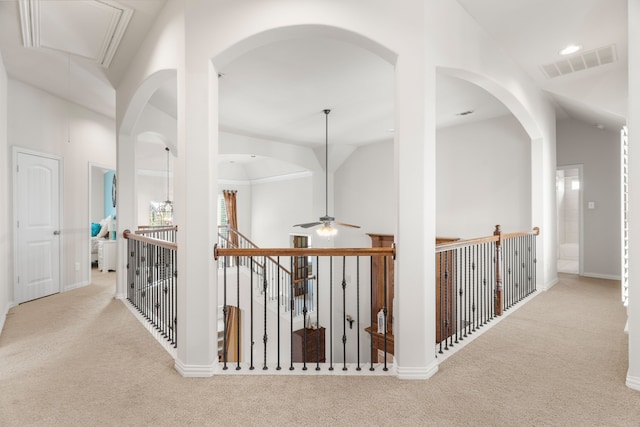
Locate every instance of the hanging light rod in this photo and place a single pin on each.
(327, 222)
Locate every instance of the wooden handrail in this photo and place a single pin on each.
(220, 252)
(228, 227)
(498, 237)
(127, 234)
(147, 229)
(443, 247)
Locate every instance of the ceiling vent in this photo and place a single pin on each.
(590, 59)
(89, 29)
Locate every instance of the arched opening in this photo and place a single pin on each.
(272, 91)
(148, 126)
(483, 161)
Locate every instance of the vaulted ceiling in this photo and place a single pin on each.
(79, 50)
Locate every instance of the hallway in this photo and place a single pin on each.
(80, 358)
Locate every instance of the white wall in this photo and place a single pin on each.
(6, 260)
(599, 152)
(278, 205)
(633, 122)
(365, 195)
(97, 194)
(47, 124)
(483, 179)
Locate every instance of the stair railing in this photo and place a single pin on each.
(275, 278)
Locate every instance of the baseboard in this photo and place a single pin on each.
(195, 371)
(633, 382)
(3, 318)
(76, 286)
(152, 330)
(551, 284)
(415, 373)
(601, 276)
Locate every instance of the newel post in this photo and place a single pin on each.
(498, 295)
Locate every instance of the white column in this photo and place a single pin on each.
(195, 189)
(126, 206)
(415, 150)
(633, 122)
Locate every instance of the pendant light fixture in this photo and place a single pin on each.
(166, 208)
(327, 222)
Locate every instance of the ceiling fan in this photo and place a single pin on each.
(327, 222)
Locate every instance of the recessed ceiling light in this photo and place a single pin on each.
(572, 48)
(465, 113)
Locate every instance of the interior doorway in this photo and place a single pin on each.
(102, 210)
(569, 206)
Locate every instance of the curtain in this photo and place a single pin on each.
(232, 214)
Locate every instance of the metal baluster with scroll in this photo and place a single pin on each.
(477, 292)
(151, 277)
(312, 347)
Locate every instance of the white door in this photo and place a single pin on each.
(37, 198)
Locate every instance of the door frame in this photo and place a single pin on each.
(580, 214)
(21, 150)
(90, 197)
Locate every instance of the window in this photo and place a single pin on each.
(223, 220)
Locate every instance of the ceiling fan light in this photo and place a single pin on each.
(327, 231)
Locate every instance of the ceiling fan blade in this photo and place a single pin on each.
(347, 225)
(308, 224)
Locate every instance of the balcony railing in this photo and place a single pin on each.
(477, 279)
(152, 278)
(328, 341)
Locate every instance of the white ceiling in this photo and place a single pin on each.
(72, 33)
(279, 91)
(533, 32)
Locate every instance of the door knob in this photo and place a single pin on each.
(56, 233)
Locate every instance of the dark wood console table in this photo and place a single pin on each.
(315, 345)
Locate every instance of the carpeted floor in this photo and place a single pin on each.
(81, 359)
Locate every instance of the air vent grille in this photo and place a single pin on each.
(589, 59)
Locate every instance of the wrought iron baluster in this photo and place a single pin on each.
(344, 314)
(224, 316)
(460, 291)
(331, 313)
(251, 275)
(358, 368)
(371, 318)
(318, 312)
(440, 325)
(265, 337)
(237, 313)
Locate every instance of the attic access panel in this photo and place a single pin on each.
(89, 29)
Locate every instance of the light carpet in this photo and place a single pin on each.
(81, 359)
